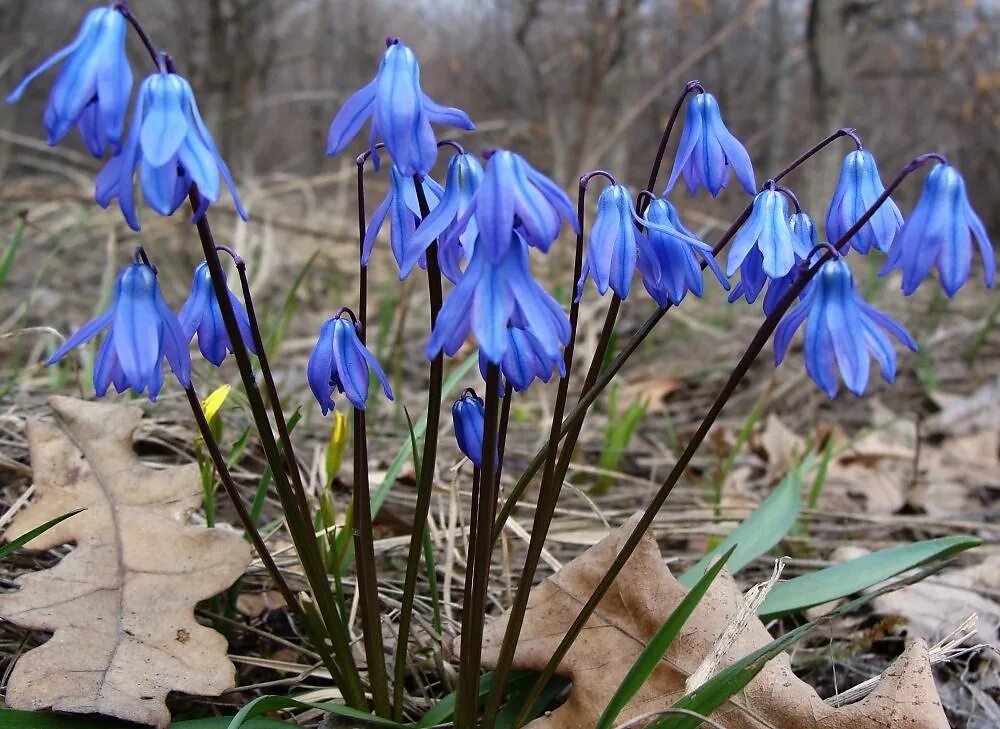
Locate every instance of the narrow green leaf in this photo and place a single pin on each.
(858, 574)
(16, 544)
(221, 722)
(265, 704)
(760, 531)
(657, 646)
(11, 250)
(15, 719)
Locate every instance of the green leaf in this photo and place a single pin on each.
(16, 544)
(265, 704)
(657, 646)
(443, 711)
(13, 719)
(849, 577)
(758, 532)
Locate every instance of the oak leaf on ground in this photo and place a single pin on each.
(640, 600)
(121, 603)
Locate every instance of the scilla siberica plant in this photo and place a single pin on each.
(481, 230)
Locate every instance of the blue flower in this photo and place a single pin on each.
(938, 234)
(678, 251)
(490, 297)
(93, 88)
(858, 188)
(201, 314)
(400, 111)
(708, 150)
(616, 245)
(767, 232)
(172, 148)
(455, 239)
(803, 228)
(512, 195)
(340, 361)
(142, 330)
(403, 210)
(525, 360)
(841, 332)
(468, 415)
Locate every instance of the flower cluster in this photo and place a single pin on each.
(168, 142)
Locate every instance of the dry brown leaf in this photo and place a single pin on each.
(934, 607)
(961, 415)
(643, 596)
(957, 474)
(121, 604)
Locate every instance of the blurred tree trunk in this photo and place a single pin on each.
(828, 69)
(11, 64)
(778, 90)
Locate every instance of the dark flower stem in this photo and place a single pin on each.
(548, 493)
(573, 422)
(299, 526)
(428, 461)
(481, 547)
(364, 535)
(126, 12)
(298, 520)
(222, 468)
(757, 344)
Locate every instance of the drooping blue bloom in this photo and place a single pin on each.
(142, 331)
(93, 88)
(615, 246)
(515, 196)
(171, 146)
(468, 415)
(525, 360)
(767, 232)
(403, 210)
(340, 362)
(400, 111)
(841, 332)
(708, 150)
(679, 252)
(938, 234)
(858, 188)
(201, 314)
(803, 228)
(455, 240)
(491, 297)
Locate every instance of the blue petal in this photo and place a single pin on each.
(164, 126)
(137, 326)
(495, 205)
(350, 363)
(84, 334)
(175, 344)
(690, 137)
(374, 226)
(86, 28)
(449, 115)
(320, 366)
(351, 117)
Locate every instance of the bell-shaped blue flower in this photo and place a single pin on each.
(489, 298)
(402, 209)
(708, 150)
(468, 415)
(340, 362)
(766, 231)
(171, 147)
(455, 240)
(201, 315)
(842, 332)
(525, 360)
(616, 245)
(92, 90)
(142, 331)
(679, 252)
(803, 227)
(938, 234)
(859, 187)
(400, 111)
(514, 195)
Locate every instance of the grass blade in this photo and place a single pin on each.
(657, 646)
(760, 531)
(854, 575)
(16, 544)
(266, 704)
